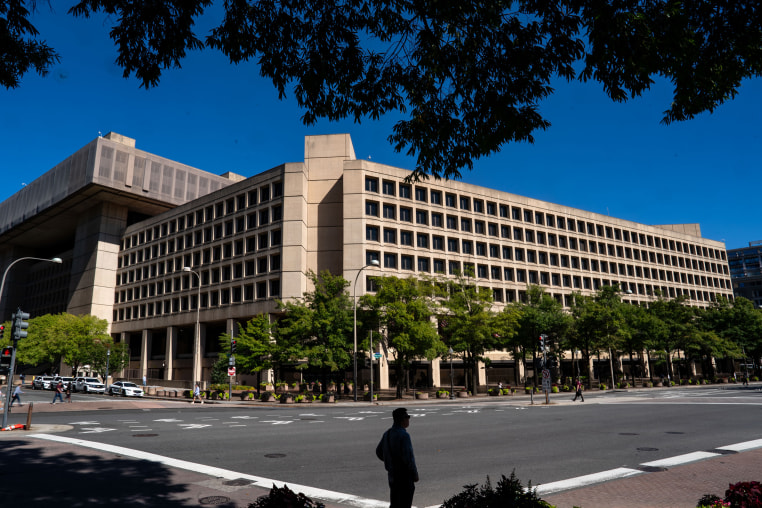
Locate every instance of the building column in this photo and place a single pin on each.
(145, 352)
(436, 372)
(481, 370)
(169, 354)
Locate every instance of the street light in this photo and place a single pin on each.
(373, 262)
(197, 333)
(452, 386)
(9, 377)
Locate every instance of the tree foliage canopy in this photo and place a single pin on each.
(468, 77)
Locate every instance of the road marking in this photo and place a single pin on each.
(193, 425)
(586, 480)
(169, 420)
(741, 447)
(84, 423)
(95, 430)
(258, 481)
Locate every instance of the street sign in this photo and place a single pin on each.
(231, 371)
(545, 380)
(376, 355)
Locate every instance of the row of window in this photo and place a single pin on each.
(262, 290)
(423, 264)
(244, 201)
(214, 254)
(392, 236)
(476, 205)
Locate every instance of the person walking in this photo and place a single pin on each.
(22, 377)
(68, 393)
(578, 391)
(396, 451)
(16, 396)
(59, 393)
(197, 394)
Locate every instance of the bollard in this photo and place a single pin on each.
(29, 417)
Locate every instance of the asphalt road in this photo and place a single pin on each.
(332, 447)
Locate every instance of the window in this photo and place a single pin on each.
(439, 266)
(404, 191)
(406, 214)
(390, 235)
(371, 208)
(465, 203)
(436, 220)
(371, 256)
(529, 235)
(423, 264)
(478, 206)
(421, 217)
(504, 211)
(371, 233)
(479, 227)
(452, 245)
(507, 253)
(527, 215)
(491, 208)
(492, 229)
(390, 260)
(450, 200)
(437, 243)
(406, 262)
(371, 184)
(465, 225)
(481, 249)
(452, 222)
(422, 240)
(388, 188)
(420, 194)
(390, 212)
(519, 254)
(406, 238)
(436, 197)
(481, 271)
(467, 247)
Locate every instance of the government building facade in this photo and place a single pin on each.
(173, 256)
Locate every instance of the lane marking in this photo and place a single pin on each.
(266, 483)
(741, 447)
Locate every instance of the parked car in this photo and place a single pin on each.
(125, 389)
(66, 380)
(89, 385)
(42, 382)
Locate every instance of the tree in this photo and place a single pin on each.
(256, 349)
(540, 314)
(403, 309)
(469, 76)
(318, 328)
(466, 324)
(678, 318)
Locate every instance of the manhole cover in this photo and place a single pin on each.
(646, 449)
(238, 482)
(628, 434)
(144, 435)
(651, 469)
(214, 500)
(275, 455)
(674, 432)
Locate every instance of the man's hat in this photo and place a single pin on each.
(400, 414)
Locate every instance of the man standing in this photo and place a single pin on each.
(59, 393)
(396, 450)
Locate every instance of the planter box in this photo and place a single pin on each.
(329, 398)
(462, 395)
(443, 395)
(494, 393)
(286, 399)
(421, 395)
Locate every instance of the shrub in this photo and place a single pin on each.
(508, 391)
(554, 389)
(509, 493)
(265, 396)
(443, 393)
(744, 495)
(279, 498)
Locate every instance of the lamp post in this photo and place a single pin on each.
(108, 358)
(374, 262)
(452, 386)
(197, 332)
(9, 377)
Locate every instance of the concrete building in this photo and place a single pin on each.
(156, 247)
(746, 272)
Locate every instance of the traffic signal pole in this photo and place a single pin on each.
(18, 328)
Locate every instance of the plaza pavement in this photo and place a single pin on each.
(26, 460)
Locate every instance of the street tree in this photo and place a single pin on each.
(318, 327)
(466, 322)
(466, 77)
(256, 349)
(539, 314)
(737, 322)
(404, 310)
(678, 318)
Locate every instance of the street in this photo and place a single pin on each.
(332, 446)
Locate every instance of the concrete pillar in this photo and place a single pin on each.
(145, 352)
(436, 373)
(171, 352)
(481, 370)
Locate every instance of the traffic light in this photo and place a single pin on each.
(2, 331)
(367, 361)
(5, 358)
(542, 342)
(20, 324)
(232, 346)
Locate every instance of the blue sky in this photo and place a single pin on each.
(598, 155)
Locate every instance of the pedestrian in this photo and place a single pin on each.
(144, 380)
(59, 393)
(578, 391)
(68, 393)
(22, 377)
(197, 394)
(745, 379)
(396, 450)
(16, 396)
